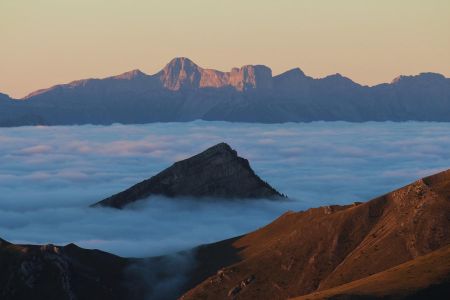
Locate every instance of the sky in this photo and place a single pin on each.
(50, 175)
(45, 42)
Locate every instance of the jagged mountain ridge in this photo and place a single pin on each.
(184, 91)
(217, 172)
(179, 74)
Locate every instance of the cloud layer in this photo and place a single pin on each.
(49, 175)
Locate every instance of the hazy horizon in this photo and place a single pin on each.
(50, 42)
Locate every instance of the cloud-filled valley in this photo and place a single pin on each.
(49, 176)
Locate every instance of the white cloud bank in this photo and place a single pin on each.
(49, 175)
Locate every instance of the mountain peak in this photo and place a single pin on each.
(181, 60)
(136, 73)
(217, 172)
(220, 148)
(338, 78)
(179, 73)
(293, 79)
(295, 72)
(179, 64)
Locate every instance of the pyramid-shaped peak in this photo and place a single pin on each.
(179, 73)
(221, 148)
(217, 172)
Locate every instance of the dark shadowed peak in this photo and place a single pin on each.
(292, 73)
(339, 80)
(292, 79)
(218, 172)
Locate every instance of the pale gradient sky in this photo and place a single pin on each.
(45, 42)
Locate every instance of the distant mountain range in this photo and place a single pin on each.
(183, 91)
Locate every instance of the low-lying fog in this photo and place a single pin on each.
(49, 176)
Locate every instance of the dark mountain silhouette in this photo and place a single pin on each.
(53, 272)
(396, 246)
(183, 91)
(217, 172)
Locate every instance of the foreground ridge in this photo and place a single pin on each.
(394, 246)
(325, 248)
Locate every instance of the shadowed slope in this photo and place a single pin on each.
(53, 272)
(217, 172)
(325, 247)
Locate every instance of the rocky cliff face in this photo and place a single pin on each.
(182, 73)
(217, 172)
(248, 78)
(328, 247)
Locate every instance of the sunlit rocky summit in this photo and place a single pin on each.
(217, 172)
(182, 73)
(183, 91)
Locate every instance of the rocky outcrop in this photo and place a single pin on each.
(217, 172)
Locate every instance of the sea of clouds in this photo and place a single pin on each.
(50, 175)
